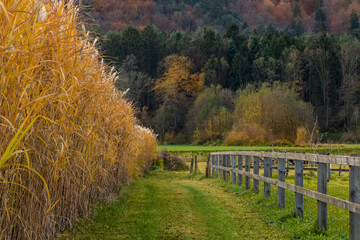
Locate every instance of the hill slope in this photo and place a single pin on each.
(188, 15)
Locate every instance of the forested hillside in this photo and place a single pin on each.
(188, 15)
(236, 72)
(269, 86)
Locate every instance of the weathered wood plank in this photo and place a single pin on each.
(213, 164)
(299, 181)
(207, 171)
(240, 167)
(224, 165)
(281, 177)
(322, 188)
(196, 164)
(233, 165)
(340, 170)
(341, 203)
(267, 173)
(192, 165)
(247, 169)
(228, 165)
(216, 164)
(256, 171)
(333, 159)
(287, 167)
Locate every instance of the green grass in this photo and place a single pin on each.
(334, 149)
(306, 228)
(177, 205)
(174, 205)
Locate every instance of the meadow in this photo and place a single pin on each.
(345, 149)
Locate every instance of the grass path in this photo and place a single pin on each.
(172, 205)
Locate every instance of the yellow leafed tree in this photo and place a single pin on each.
(177, 88)
(269, 115)
(178, 78)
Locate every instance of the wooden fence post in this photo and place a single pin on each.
(192, 165)
(207, 171)
(354, 182)
(256, 171)
(339, 169)
(224, 165)
(196, 164)
(247, 169)
(212, 165)
(240, 167)
(217, 163)
(299, 181)
(281, 177)
(233, 166)
(328, 165)
(228, 166)
(287, 167)
(267, 169)
(322, 188)
(216, 160)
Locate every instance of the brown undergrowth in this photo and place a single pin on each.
(67, 137)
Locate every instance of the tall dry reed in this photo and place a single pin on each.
(67, 138)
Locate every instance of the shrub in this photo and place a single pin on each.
(169, 137)
(248, 134)
(281, 143)
(349, 137)
(303, 137)
(171, 162)
(180, 138)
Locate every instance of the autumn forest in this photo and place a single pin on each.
(236, 72)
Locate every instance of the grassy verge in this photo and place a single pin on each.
(306, 228)
(175, 205)
(334, 149)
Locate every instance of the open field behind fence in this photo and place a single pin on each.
(323, 148)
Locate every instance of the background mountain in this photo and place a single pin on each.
(187, 15)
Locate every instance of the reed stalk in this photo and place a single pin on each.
(67, 136)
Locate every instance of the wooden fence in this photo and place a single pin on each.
(224, 163)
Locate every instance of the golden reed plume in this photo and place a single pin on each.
(67, 137)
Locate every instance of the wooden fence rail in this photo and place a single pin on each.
(221, 163)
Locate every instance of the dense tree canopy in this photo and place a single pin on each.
(185, 84)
